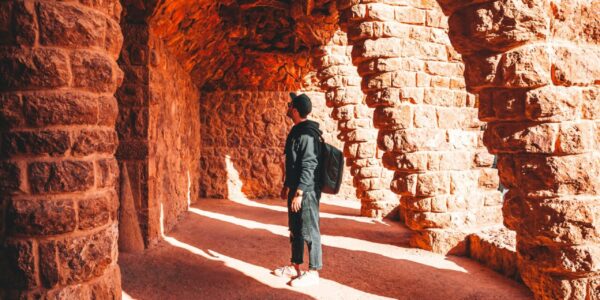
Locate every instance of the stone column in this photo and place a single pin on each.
(427, 121)
(536, 67)
(58, 175)
(341, 82)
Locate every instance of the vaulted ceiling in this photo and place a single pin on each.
(236, 44)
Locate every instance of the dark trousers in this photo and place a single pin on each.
(304, 228)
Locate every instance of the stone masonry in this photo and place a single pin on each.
(341, 82)
(536, 68)
(427, 122)
(58, 174)
(158, 127)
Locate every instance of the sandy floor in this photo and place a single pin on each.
(225, 250)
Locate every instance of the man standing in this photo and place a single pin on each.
(300, 188)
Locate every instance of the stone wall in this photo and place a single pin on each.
(58, 174)
(173, 135)
(158, 130)
(427, 121)
(132, 123)
(536, 68)
(250, 128)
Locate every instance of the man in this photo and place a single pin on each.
(300, 188)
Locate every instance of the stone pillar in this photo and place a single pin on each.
(536, 68)
(58, 175)
(427, 121)
(341, 82)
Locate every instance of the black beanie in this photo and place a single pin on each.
(301, 103)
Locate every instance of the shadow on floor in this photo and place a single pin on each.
(225, 250)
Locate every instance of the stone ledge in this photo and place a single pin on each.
(496, 248)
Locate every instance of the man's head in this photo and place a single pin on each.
(299, 106)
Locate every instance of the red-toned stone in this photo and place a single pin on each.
(11, 177)
(36, 142)
(24, 18)
(94, 71)
(19, 271)
(64, 24)
(43, 109)
(6, 22)
(45, 217)
(108, 173)
(83, 258)
(57, 177)
(87, 142)
(97, 211)
(11, 111)
(22, 69)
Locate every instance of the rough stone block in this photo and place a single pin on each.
(108, 287)
(451, 160)
(567, 219)
(393, 117)
(31, 142)
(113, 40)
(463, 182)
(521, 137)
(563, 259)
(380, 12)
(483, 159)
(526, 67)
(43, 109)
(591, 103)
(22, 69)
(57, 177)
(11, 111)
(441, 241)
(94, 141)
(24, 18)
(577, 137)
(45, 217)
(496, 249)
(433, 183)
(409, 15)
(411, 140)
(82, 258)
(552, 103)
(95, 72)
(108, 173)
(551, 175)
(576, 66)
(20, 272)
(462, 140)
(481, 70)
(64, 24)
(496, 26)
(11, 177)
(425, 116)
(97, 211)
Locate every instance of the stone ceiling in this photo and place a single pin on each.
(233, 44)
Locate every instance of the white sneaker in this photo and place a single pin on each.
(309, 278)
(286, 271)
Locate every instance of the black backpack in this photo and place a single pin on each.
(330, 168)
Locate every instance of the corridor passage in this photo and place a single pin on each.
(225, 249)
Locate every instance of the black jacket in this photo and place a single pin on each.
(302, 148)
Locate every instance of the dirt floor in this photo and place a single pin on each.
(225, 249)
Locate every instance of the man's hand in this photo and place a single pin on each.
(297, 202)
(284, 192)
